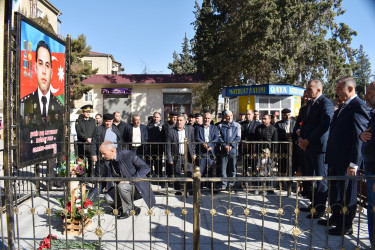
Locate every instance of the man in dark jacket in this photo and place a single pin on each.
(208, 137)
(314, 135)
(344, 155)
(265, 131)
(118, 123)
(156, 150)
(176, 149)
(104, 132)
(135, 136)
(125, 163)
(85, 127)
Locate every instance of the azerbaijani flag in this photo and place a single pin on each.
(30, 37)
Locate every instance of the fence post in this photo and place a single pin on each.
(37, 182)
(290, 167)
(196, 208)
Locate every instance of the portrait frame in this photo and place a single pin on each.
(40, 133)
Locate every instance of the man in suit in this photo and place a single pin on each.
(136, 135)
(285, 126)
(313, 141)
(230, 137)
(42, 102)
(298, 153)
(344, 154)
(155, 135)
(85, 127)
(176, 149)
(368, 153)
(104, 132)
(208, 137)
(125, 163)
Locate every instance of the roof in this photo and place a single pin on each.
(142, 78)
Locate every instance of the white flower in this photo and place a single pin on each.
(85, 210)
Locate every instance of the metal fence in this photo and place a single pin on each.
(245, 216)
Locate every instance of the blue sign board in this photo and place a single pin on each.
(263, 90)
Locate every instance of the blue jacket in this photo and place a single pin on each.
(230, 135)
(344, 144)
(214, 138)
(315, 127)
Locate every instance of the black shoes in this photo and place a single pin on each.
(124, 215)
(305, 209)
(316, 215)
(338, 231)
(324, 222)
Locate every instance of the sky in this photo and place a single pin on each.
(144, 33)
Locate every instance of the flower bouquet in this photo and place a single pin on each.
(77, 212)
(77, 167)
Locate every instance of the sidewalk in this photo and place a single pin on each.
(245, 232)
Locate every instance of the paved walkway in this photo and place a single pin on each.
(161, 230)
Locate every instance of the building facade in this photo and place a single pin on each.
(267, 99)
(142, 94)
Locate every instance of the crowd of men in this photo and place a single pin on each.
(327, 141)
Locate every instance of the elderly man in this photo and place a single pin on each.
(368, 153)
(344, 154)
(208, 136)
(136, 135)
(230, 136)
(125, 163)
(176, 149)
(313, 141)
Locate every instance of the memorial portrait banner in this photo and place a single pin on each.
(41, 93)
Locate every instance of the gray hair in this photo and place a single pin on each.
(348, 81)
(136, 115)
(227, 112)
(181, 115)
(108, 145)
(318, 83)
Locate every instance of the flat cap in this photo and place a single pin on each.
(173, 113)
(108, 117)
(285, 111)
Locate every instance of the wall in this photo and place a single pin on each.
(103, 63)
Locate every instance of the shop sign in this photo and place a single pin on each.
(116, 91)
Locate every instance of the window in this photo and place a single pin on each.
(39, 13)
(273, 104)
(88, 97)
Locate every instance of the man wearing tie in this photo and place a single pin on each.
(208, 137)
(137, 135)
(176, 149)
(344, 155)
(313, 140)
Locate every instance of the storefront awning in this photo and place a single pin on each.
(268, 89)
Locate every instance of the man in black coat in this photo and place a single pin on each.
(125, 163)
(248, 127)
(344, 154)
(313, 141)
(85, 127)
(118, 123)
(176, 150)
(104, 132)
(265, 131)
(154, 135)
